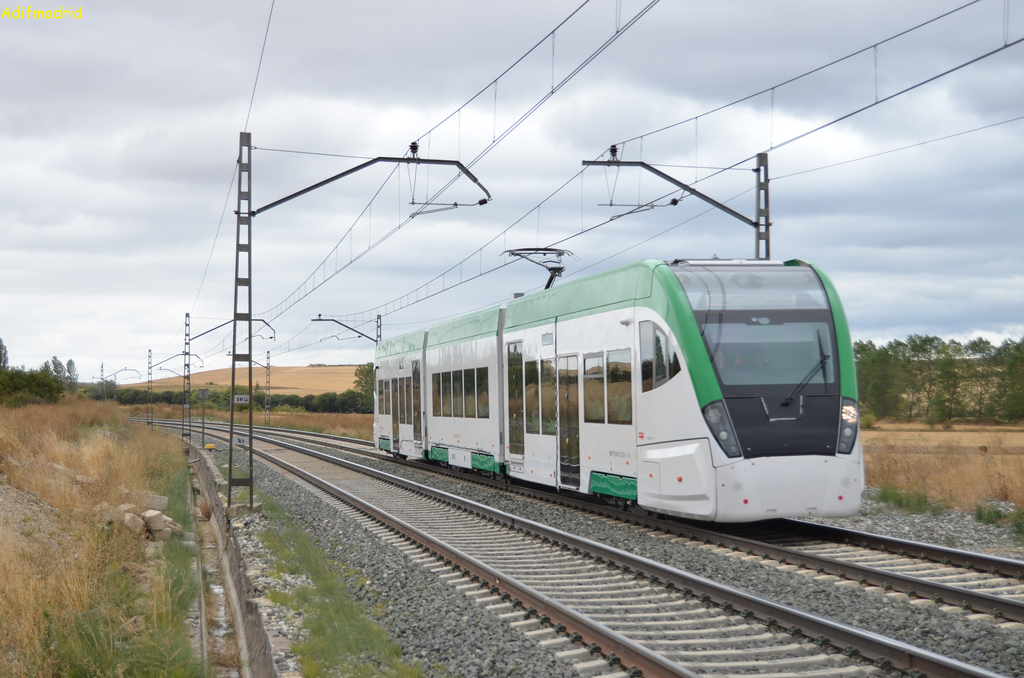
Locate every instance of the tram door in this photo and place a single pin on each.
(568, 421)
(395, 412)
(417, 422)
(516, 427)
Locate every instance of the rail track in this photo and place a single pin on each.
(626, 610)
(976, 583)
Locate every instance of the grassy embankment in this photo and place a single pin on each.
(77, 596)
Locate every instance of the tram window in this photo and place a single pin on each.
(380, 396)
(548, 398)
(532, 397)
(620, 387)
(386, 390)
(593, 389)
(457, 393)
(515, 398)
(482, 407)
(446, 394)
(469, 388)
(399, 386)
(396, 402)
(417, 408)
(435, 393)
(408, 400)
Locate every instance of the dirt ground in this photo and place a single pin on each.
(301, 381)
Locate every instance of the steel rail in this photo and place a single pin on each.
(965, 559)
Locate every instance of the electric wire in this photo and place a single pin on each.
(231, 183)
(306, 288)
(259, 66)
(806, 74)
(717, 170)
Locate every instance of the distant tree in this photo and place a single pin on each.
(3, 355)
(364, 385)
(1011, 382)
(979, 378)
(947, 397)
(922, 352)
(71, 373)
(56, 368)
(880, 377)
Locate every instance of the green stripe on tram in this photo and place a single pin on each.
(613, 486)
(485, 462)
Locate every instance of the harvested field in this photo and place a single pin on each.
(301, 380)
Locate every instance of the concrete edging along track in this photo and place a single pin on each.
(253, 642)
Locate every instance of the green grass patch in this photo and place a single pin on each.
(341, 638)
(908, 500)
(988, 515)
(1017, 525)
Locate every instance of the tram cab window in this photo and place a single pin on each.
(656, 367)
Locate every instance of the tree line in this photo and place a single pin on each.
(21, 386)
(921, 377)
(928, 378)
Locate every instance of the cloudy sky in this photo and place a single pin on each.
(119, 132)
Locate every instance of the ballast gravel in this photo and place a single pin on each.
(436, 626)
(450, 636)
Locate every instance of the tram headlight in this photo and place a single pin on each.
(849, 418)
(717, 418)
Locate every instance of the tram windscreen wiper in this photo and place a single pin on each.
(820, 365)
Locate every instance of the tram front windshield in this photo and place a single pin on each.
(767, 328)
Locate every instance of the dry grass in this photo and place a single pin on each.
(350, 425)
(958, 468)
(64, 583)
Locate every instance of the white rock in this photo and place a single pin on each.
(155, 520)
(133, 523)
(161, 535)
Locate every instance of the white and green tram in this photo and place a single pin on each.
(717, 390)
